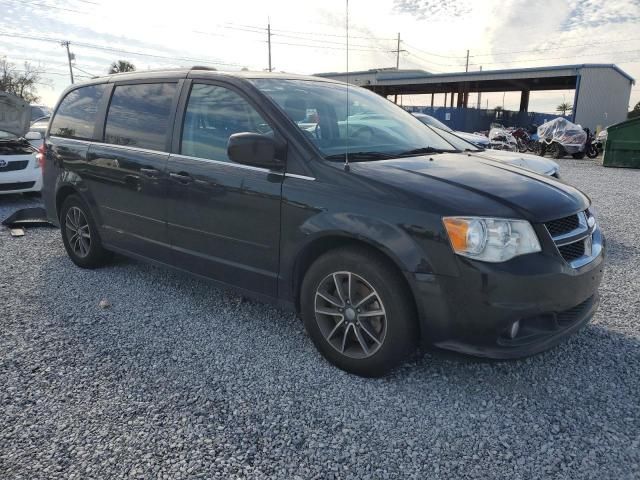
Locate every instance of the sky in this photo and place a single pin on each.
(309, 37)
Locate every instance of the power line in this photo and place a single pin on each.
(591, 44)
(117, 50)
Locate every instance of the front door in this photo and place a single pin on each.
(223, 217)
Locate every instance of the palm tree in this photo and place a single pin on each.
(121, 66)
(564, 107)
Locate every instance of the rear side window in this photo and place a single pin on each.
(77, 113)
(139, 115)
(213, 114)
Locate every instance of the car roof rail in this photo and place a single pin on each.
(202, 67)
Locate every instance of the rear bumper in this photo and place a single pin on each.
(472, 313)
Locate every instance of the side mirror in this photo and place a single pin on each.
(33, 136)
(253, 149)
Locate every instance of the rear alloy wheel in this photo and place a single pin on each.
(80, 234)
(357, 310)
(77, 231)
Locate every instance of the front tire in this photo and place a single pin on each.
(357, 310)
(80, 234)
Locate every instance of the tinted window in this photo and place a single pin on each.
(214, 114)
(139, 115)
(77, 113)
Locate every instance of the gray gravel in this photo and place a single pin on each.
(176, 379)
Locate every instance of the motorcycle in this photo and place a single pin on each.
(560, 137)
(523, 139)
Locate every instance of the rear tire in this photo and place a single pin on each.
(363, 337)
(80, 234)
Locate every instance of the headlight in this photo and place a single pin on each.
(491, 239)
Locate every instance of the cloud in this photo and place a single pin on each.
(429, 9)
(596, 13)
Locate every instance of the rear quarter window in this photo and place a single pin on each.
(76, 116)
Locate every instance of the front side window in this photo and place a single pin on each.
(341, 120)
(77, 113)
(139, 115)
(213, 114)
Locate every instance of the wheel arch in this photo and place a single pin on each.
(61, 194)
(324, 244)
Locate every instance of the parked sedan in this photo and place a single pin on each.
(19, 168)
(534, 163)
(478, 140)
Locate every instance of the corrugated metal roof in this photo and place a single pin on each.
(385, 75)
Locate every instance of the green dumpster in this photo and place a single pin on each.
(622, 148)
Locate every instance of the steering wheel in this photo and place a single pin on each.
(366, 132)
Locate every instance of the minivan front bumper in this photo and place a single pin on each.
(474, 312)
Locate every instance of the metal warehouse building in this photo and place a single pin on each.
(602, 91)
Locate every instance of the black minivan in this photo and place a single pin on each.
(327, 199)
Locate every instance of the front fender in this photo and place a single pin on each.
(390, 239)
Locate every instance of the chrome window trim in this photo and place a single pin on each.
(188, 157)
(228, 164)
(301, 177)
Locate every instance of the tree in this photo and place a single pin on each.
(122, 66)
(21, 83)
(635, 112)
(564, 107)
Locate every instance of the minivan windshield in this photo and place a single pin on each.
(358, 122)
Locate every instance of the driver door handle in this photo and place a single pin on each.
(149, 172)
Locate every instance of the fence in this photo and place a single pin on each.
(477, 120)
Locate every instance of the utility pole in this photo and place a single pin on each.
(479, 94)
(467, 67)
(269, 41)
(397, 51)
(69, 57)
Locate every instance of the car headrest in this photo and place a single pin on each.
(296, 109)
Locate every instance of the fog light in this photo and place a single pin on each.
(514, 329)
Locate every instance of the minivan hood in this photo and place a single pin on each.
(15, 114)
(535, 163)
(461, 184)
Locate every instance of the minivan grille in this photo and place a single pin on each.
(571, 315)
(563, 225)
(572, 251)
(13, 166)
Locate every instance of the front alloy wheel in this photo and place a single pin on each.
(350, 314)
(358, 310)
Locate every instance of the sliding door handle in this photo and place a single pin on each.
(181, 177)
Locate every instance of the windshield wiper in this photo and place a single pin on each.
(425, 151)
(355, 156)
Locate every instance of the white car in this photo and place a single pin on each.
(20, 170)
(534, 163)
(478, 140)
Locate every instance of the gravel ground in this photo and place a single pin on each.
(177, 379)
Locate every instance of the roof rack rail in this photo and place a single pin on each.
(202, 67)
